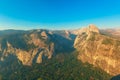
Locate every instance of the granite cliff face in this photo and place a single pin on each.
(88, 29)
(33, 46)
(94, 46)
(100, 50)
(27, 47)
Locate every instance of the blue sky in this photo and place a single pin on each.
(59, 14)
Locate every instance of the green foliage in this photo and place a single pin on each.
(117, 43)
(39, 79)
(17, 41)
(3, 43)
(1, 78)
(107, 41)
(31, 46)
(60, 67)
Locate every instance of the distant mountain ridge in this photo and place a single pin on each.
(97, 47)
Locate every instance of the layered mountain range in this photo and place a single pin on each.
(35, 45)
(101, 48)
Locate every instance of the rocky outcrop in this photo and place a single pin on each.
(90, 28)
(100, 50)
(35, 45)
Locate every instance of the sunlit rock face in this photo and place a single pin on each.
(90, 28)
(100, 50)
(34, 46)
(93, 28)
(30, 49)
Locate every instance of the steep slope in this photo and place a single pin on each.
(100, 50)
(33, 46)
(21, 51)
(59, 67)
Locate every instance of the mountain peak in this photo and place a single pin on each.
(98, 49)
(93, 28)
(87, 30)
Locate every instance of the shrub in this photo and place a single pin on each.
(107, 41)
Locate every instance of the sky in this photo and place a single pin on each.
(59, 14)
